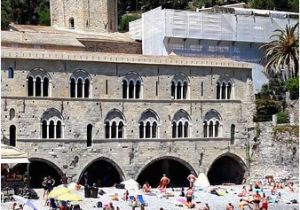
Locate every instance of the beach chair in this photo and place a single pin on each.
(52, 204)
(141, 200)
(131, 198)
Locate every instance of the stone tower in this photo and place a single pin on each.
(85, 15)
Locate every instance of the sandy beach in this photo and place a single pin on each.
(171, 202)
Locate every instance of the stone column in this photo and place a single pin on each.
(144, 133)
(50, 89)
(175, 95)
(42, 88)
(91, 90)
(109, 131)
(127, 91)
(82, 89)
(63, 131)
(214, 133)
(220, 95)
(124, 131)
(134, 88)
(188, 92)
(151, 131)
(226, 91)
(142, 91)
(47, 129)
(181, 90)
(75, 89)
(232, 92)
(41, 134)
(157, 131)
(34, 87)
(221, 130)
(55, 123)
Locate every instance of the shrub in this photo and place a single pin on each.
(282, 117)
(124, 22)
(292, 85)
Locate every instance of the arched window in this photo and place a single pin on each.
(132, 86)
(212, 126)
(224, 90)
(12, 135)
(45, 87)
(180, 86)
(12, 114)
(79, 88)
(10, 73)
(71, 23)
(30, 86)
(114, 124)
(38, 83)
(89, 131)
(149, 124)
(52, 125)
(80, 84)
(181, 124)
(38, 86)
(232, 134)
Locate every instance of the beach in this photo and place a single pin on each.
(169, 200)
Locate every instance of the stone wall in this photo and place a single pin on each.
(275, 152)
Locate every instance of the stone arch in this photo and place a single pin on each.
(151, 115)
(132, 85)
(117, 172)
(38, 169)
(227, 168)
(50, 113)
(163, 164)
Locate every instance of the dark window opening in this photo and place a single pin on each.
(10, 73)
(12, 113)
(148, 130)
(124, 89)
(179, 90)
(185, 87)
(131, 89)
(173, 130)
(106, 87)
(107, 130)
(205, 129)
(232, 134)
(141, 130)
(120, 130)
(86, 88)
(45, 87)
(180, 129)
(114, 130)
(229, 91)
(51, 130)
(71, 23)
(186, 129)
(154, 129)
(79, 88)
(218, 91)
(38, 89)
(173, 90)
(72, 90)
(44, 130)
(12, 135)
(223, 91)
(58, 130)
(89, 131)
(217, 129)
(202, 89)
(30, 86)
(211, 128)
(137, 89)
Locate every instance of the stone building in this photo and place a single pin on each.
(80, 102)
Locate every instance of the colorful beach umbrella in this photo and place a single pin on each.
(69, 197)
(58, 191)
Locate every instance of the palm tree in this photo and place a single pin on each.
(282, 54)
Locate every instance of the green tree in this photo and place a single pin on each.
(282, 53)
(124, 22)
(292, 85)
(263, 4)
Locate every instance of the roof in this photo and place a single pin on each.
(47, 35)
(174, 60)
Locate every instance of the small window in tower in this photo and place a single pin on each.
(71, 23)
(10, 73)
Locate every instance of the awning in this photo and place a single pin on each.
(11, 154)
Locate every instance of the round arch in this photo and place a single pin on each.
(175, 168)
(227, 168)
(102, 178)
(38, 169)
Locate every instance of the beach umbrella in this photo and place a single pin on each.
(58, 191)
(202, 181)
(131, 185)
(69, 197)
(25, 201)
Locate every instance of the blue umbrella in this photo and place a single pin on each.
(25, 201)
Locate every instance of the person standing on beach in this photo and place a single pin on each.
(50, 184)
(192, 178)
(164, 181)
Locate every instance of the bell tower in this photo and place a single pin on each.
(85, 15)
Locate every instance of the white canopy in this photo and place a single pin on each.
(11, 154)
(202, 181)
(131, 185)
